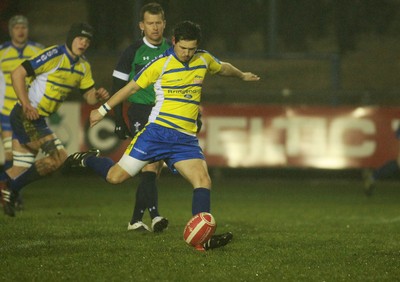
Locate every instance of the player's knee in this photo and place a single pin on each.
(58, 158)
(51, 162)
(47, 165)
(116, 175)
(113, 179)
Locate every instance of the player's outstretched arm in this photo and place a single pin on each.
(97, 115)
(228, 69)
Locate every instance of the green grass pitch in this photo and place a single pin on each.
(75, 229)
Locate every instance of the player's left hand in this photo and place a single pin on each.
(248, 76)
(102, 94)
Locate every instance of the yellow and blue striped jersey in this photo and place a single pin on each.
(178, 88)
(10, 58)
(56, 75)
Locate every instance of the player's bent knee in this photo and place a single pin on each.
(51, 162)
(117, 175)
(58, 158)
(47, 165)
(113, 180)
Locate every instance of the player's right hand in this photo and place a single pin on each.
(121, 130)
(30, 112)
(95, 117)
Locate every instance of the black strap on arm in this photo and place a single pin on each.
(28, 67)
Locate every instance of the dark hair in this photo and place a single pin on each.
(152, 8)
(187, 30)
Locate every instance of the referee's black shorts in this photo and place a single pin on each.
(138, 115)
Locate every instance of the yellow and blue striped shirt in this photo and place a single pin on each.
(10, 58)
(178, 88)
(56, 75)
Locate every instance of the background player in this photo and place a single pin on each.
(12, 54)
(170, 134)
(389, 169)
(132, 60)
(57, 71)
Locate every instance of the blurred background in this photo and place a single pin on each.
(329, 92)
(329, 52)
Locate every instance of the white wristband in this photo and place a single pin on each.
(104, 109)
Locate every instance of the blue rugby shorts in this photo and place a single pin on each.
(138, 115)
(25, 130)
(156, 143)
(5, 122)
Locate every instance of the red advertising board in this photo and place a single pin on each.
(281, 136)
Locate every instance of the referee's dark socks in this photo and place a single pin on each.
(200, 200)
(140, 204)
(100, 165)
(148, 181)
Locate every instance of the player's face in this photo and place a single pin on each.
(153, 27)
(80, 45)
(184, 49)
(19, 34)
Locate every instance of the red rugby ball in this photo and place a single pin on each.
(199, 229)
